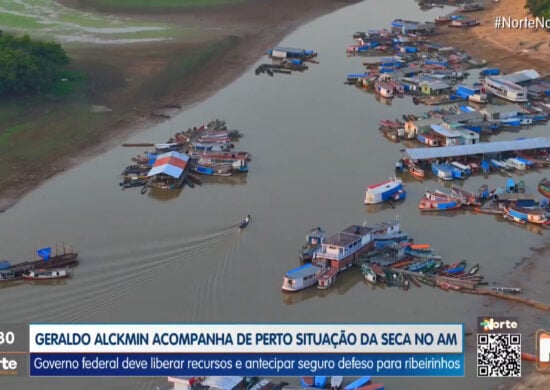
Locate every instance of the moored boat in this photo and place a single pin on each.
(368, 273)
(314, 239)
(544, 187)
(384, 191)
(526, 214)
(46, 274)
(441, 171)
(327, 279)
(302, 277)
(441, 204)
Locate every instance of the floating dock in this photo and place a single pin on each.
(483, 148)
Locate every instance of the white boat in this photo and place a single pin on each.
(336, 382)
(504, 89)
(302, 277)
(478, 98)
(384, 89)
(383, 191)
(46, 274)
(261, 384)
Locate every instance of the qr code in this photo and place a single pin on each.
(499, 355)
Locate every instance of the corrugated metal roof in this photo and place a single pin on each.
(522, 76)
(480, 148)
(463, 117)
(171, 164)
(445, 132)
(292, 50)
(505, 108)
(222, 382)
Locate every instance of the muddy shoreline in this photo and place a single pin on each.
(250, 28)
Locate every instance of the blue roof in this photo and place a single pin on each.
(305, 269)
(480, 148)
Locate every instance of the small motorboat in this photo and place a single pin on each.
(244, 223)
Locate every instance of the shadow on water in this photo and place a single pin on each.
(164, 195)
(344, 282)
(233, 180)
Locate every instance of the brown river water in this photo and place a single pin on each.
(180, 258)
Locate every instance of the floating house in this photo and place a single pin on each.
(169, 170)
(421, 125)
(502, 88)
(498, 113)
(290, 52)
(434, 88)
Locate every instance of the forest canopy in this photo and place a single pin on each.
(29, 66)
(539, 7)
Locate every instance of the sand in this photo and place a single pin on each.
(507, 49)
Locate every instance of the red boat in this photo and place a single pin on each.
(414, 169)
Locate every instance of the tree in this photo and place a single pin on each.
(29, 66)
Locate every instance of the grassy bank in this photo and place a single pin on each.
(39, 134)
(162, 6)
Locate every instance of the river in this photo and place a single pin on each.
(179, 258)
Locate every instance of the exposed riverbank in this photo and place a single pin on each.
(508, 49)
(123, 84)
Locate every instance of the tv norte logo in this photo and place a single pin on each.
(497, 324)
(8, 366)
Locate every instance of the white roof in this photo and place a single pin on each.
(445, 132)
(522, 76)
(480, 148)
(222, 382)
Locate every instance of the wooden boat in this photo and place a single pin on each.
(468, 198)
(327, 279)
(244, 223)
(421, 247)
(532, 215)
(443, 20)
(426, 204)
(544, 187)
(530, 357)
(314, 239)
(368, 273)
(414, 169)
(46, 274)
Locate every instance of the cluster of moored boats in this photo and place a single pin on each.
(385, 254)
(48, 267)
(402, 263)
(207, 150)
(286, 60)
(325, 257)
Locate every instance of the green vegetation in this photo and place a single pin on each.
(539, 7)
(29, 66)
(126, 4)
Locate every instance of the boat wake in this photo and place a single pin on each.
(108, 281)
(211, 288)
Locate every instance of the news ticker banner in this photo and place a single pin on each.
(245, 349)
